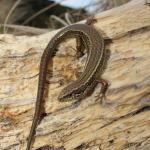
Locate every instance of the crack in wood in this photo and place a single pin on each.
(143, 109)
(50, 148)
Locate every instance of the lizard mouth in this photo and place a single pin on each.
(64, 98)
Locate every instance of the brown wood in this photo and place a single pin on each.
(122, 123)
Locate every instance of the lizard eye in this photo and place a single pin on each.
(77, 95)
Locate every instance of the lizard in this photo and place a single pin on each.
(87, 38)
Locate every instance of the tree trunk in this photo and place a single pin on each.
(121, 123)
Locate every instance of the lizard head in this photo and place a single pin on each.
(68, 94)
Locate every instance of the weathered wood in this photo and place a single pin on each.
(122, 123)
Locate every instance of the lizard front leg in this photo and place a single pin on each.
(103, 90)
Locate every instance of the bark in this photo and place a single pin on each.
(122, 123)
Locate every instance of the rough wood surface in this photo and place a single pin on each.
(123, 123)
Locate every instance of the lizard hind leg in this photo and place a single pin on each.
(80, 48)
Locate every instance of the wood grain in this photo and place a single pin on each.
(121, 123)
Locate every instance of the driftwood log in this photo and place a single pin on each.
(121, 123)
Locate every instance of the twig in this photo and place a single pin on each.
(26, 29)
(68, 18)
(41, 11)
(9, 14)
(59, 20)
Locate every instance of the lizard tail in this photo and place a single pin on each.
(39, 101)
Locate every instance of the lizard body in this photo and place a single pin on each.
(94, 43)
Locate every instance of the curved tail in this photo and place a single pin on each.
(39, 106)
